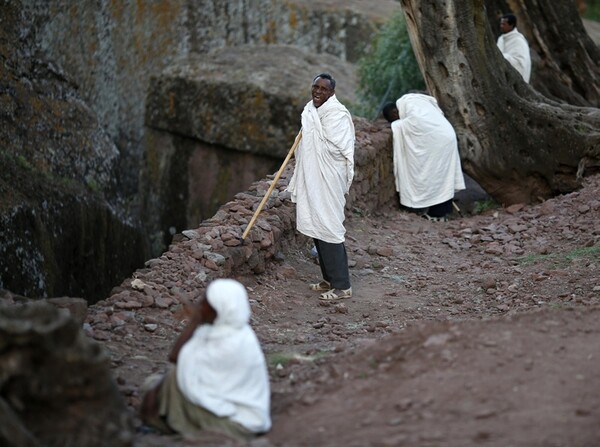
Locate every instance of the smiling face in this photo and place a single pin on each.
(321, 91)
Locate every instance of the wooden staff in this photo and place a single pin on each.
(270, 190)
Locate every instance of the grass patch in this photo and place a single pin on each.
(586, 252)
(482, 206)
(374, 363)
(354, 325)
(562, 259)
(556, 305)
(376, 265)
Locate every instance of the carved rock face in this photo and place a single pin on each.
(64, 231)
(55, 385)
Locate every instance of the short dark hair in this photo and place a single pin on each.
(387, 110)
(511, 19)
(328, 77)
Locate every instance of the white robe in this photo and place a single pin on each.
(324, 170)
(426, 160)
(222, 367)
(515, 49)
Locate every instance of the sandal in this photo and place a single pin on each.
(434, 219)
(334, 295)
(320, 286)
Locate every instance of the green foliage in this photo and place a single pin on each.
(563, 259)
(24, 163)
(279, 358)
(93, 185)
(484, 205)
(358, 211)
(377, 265)
(389, 70)
(593, 11)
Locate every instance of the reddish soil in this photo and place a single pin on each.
(480, 331)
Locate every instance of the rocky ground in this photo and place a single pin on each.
(479, 331)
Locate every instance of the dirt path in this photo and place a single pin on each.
(479, 331)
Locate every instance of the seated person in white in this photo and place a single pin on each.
(426, 160)
(220, 382)
(514, 46)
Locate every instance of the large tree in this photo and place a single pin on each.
(520, 145)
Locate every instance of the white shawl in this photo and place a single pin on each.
(324, 170)
(515, 49)
(222, 367)
(426, 160)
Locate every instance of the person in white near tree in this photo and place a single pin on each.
(514, 46)
(426, 159)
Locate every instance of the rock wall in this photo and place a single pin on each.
(46, 125)
(245, 98)
(56, 388)
(186, 181)
(63, 230)
(66, 243)
(111, 49)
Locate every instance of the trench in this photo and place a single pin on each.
(194, 179)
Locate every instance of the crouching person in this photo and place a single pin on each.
(220, 381)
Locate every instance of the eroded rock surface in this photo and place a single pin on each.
(56, 388)
(247, 98)
(63, 230)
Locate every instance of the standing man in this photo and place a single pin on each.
(514, 46)
(322, 177)
(426, 160)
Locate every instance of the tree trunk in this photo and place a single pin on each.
(565, 60)
(517, 144)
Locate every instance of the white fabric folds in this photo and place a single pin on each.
(515, 49)
(426, 160)
(222, 367)
(324, 170)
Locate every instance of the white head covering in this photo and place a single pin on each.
(230, 300)
(222, 367)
